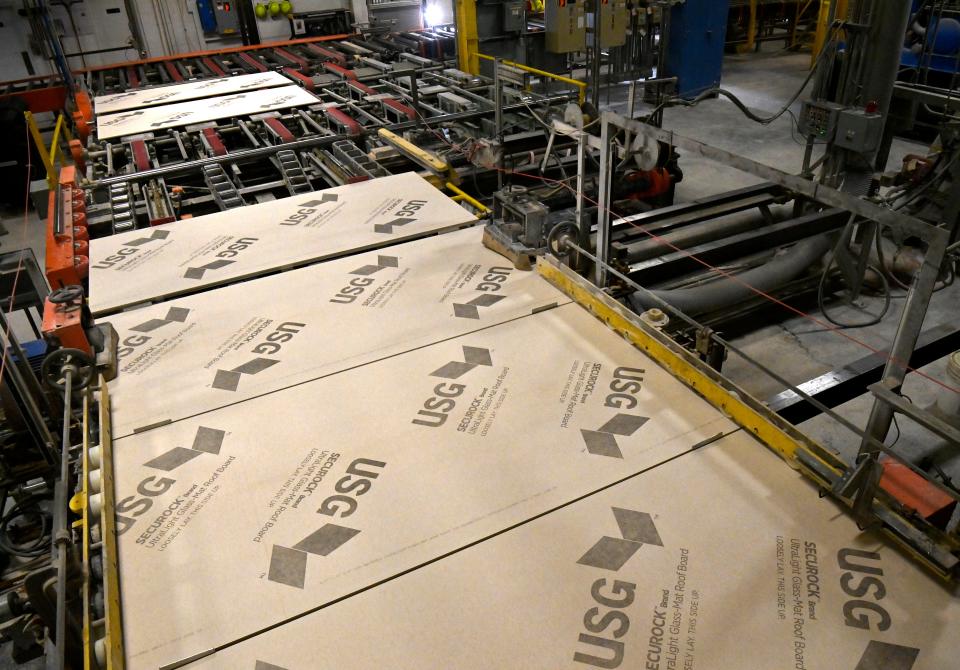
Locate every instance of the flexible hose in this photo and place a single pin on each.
(724, 292)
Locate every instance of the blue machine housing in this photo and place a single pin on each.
(698, 30)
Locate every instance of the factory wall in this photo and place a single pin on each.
(101, 25)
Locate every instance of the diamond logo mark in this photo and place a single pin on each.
(229, 380)
(382, 262)
(612, 553)
(325, 197)
(885, 656)
(174, 315)
(288, 565)
(603, 442)
(197, 273)
(470, 310)
(387, 228)
(155, 235)
(472, 357)
(206, 441)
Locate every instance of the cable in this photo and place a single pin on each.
(27, 507)
(763, 120)
(763, 294)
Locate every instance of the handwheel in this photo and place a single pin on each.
(67, 294)
(556, 242)
(55, 366)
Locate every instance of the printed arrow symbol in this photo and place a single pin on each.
(325, 197)
(611, 553)
(886, 656)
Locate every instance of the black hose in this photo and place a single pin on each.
(28, 506)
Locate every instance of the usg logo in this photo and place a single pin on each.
(624, 387)
(129, 509)
(224, 258)
(171, 119)
(119, 118)
(131, 343)
(288, 565)
(606, 622)
(229, 380)
(130, 248)
(437, 407)
(364, 280)
(490, 284)
(278, 101)
(404, 215)
(307, 209)
(862, 582)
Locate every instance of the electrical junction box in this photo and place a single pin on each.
(514, 16)
(614, 18)
(819, 119)
(228, 23)
(566, 26)
(859, 131)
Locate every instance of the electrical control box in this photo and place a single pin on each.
(228, 23)
(614, 18)
(819, 119)
(859, 131)
(514, 16)
(566, 26)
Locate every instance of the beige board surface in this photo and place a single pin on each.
(723, 559)
(237, 519)
(198, 353)
(245, 103)
(191, 90)
(191, 255)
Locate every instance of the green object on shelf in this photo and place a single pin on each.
(274, 8)
(285, 7)
(260, 10)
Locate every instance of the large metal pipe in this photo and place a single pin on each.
(724, 292)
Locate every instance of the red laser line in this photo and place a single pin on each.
(660, 240)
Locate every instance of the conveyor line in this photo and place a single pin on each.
(690, 565)
(188, 256)
(177, 358)
(149, 119)
(239, 518)
(193, 90)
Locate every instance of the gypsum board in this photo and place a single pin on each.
(721, 559)
(220, 347)
(150, 119)
(192, 90)
(188, 256)
(243, 517)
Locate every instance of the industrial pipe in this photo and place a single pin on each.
(724, 292)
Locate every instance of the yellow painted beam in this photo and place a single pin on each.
(581, 86)
(468, 41)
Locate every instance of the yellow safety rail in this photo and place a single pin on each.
(51, 155)
(581, 86)
(461, 195)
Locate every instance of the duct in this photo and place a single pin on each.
(784, 267)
